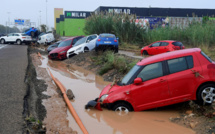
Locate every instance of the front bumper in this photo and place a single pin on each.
(96, 104)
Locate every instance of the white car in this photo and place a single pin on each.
(85, 44)
(46, 38)
(17, 38)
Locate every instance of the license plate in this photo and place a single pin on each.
(107, 42)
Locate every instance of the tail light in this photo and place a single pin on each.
(23, 37)
(99, 39)
(115, 40)
(183, 47)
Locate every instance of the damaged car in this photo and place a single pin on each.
(162, 80)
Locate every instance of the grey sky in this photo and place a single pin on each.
(29, 9)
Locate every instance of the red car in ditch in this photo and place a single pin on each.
(61, 51)
(161, 47)
(162, 80)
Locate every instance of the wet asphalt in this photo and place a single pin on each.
(13, 65)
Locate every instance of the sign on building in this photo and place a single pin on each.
(76, 14)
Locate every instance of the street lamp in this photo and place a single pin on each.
(8, 22)
(46, 16)
(40, 18)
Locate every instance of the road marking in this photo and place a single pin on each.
(1, 46)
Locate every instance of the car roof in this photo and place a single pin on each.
(168, 41)
(71, 38)
(168, 55)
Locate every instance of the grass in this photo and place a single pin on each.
(109, 60)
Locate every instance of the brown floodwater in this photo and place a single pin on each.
(87, 86)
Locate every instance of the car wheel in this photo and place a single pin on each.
(19, 42)
(122, 108)
(206, 94)
(116, 50)
(86, 49)
(2, 41)
(145, 52)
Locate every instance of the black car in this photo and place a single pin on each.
(53, 46)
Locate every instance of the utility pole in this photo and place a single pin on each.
(8, 22)
(40, 18)
(46, 16)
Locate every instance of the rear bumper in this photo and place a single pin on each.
(57, 56)
(104, 46)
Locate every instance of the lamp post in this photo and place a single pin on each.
(8, 22)
(46, 16)
(40, 18)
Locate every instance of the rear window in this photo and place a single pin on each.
(180, 64)
(107, 36)
(177, 44)
(208, 58)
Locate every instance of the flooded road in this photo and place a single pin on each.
(87, 86)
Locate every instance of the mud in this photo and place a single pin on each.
(86, 86)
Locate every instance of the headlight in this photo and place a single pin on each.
(62, 52)
(103, 98)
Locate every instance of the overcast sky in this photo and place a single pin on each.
(30, 9)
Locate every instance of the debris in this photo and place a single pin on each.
(189, 112)
(193, 125)
(70, 94)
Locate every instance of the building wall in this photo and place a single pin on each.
(57, 13)
(74, 27)
(62, 28)
(58, 28)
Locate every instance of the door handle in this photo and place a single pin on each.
(162, 80)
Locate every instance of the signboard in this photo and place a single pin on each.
(19, 22)
(77, 14)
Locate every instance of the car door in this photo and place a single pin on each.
(153, 49)
(154, 88)
(182, 79)
(14, 37)
(9, 37)
(91, 42)
(163, 47)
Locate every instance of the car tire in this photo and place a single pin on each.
(18, 42)
(145, 52)
(2, 41)
(122, 108)
(86, 49)
(116, 50)
(206, 94)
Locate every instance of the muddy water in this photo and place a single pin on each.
(87, 86)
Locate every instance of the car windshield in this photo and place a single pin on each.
(42, 34)
(107, 36)
(65, 43)
(27, 30)
(80, 41)
(128, 76)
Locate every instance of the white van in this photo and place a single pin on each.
(46, 38)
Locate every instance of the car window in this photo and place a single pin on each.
(24, 34)
(129, 75)
(208, 58)
(89, 38)
(177, 65)
(151, 71)
(93, 37)
(189, 61)
(164, 44)
(65, 43)
(15, 34)
(80, 41)
(155, 44)
(177, 44)
(107, 36)
(10, 35)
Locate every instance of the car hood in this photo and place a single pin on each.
(59, 49)
(108, 89)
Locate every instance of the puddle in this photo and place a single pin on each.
(87, 86)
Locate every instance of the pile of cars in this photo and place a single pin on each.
(81, 44)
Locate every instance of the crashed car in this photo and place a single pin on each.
(162, 80)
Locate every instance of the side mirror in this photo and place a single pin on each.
(88, 41)
(137, 81)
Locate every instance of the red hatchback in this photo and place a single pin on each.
(162, 80)
(161, 47)
(61, 51)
